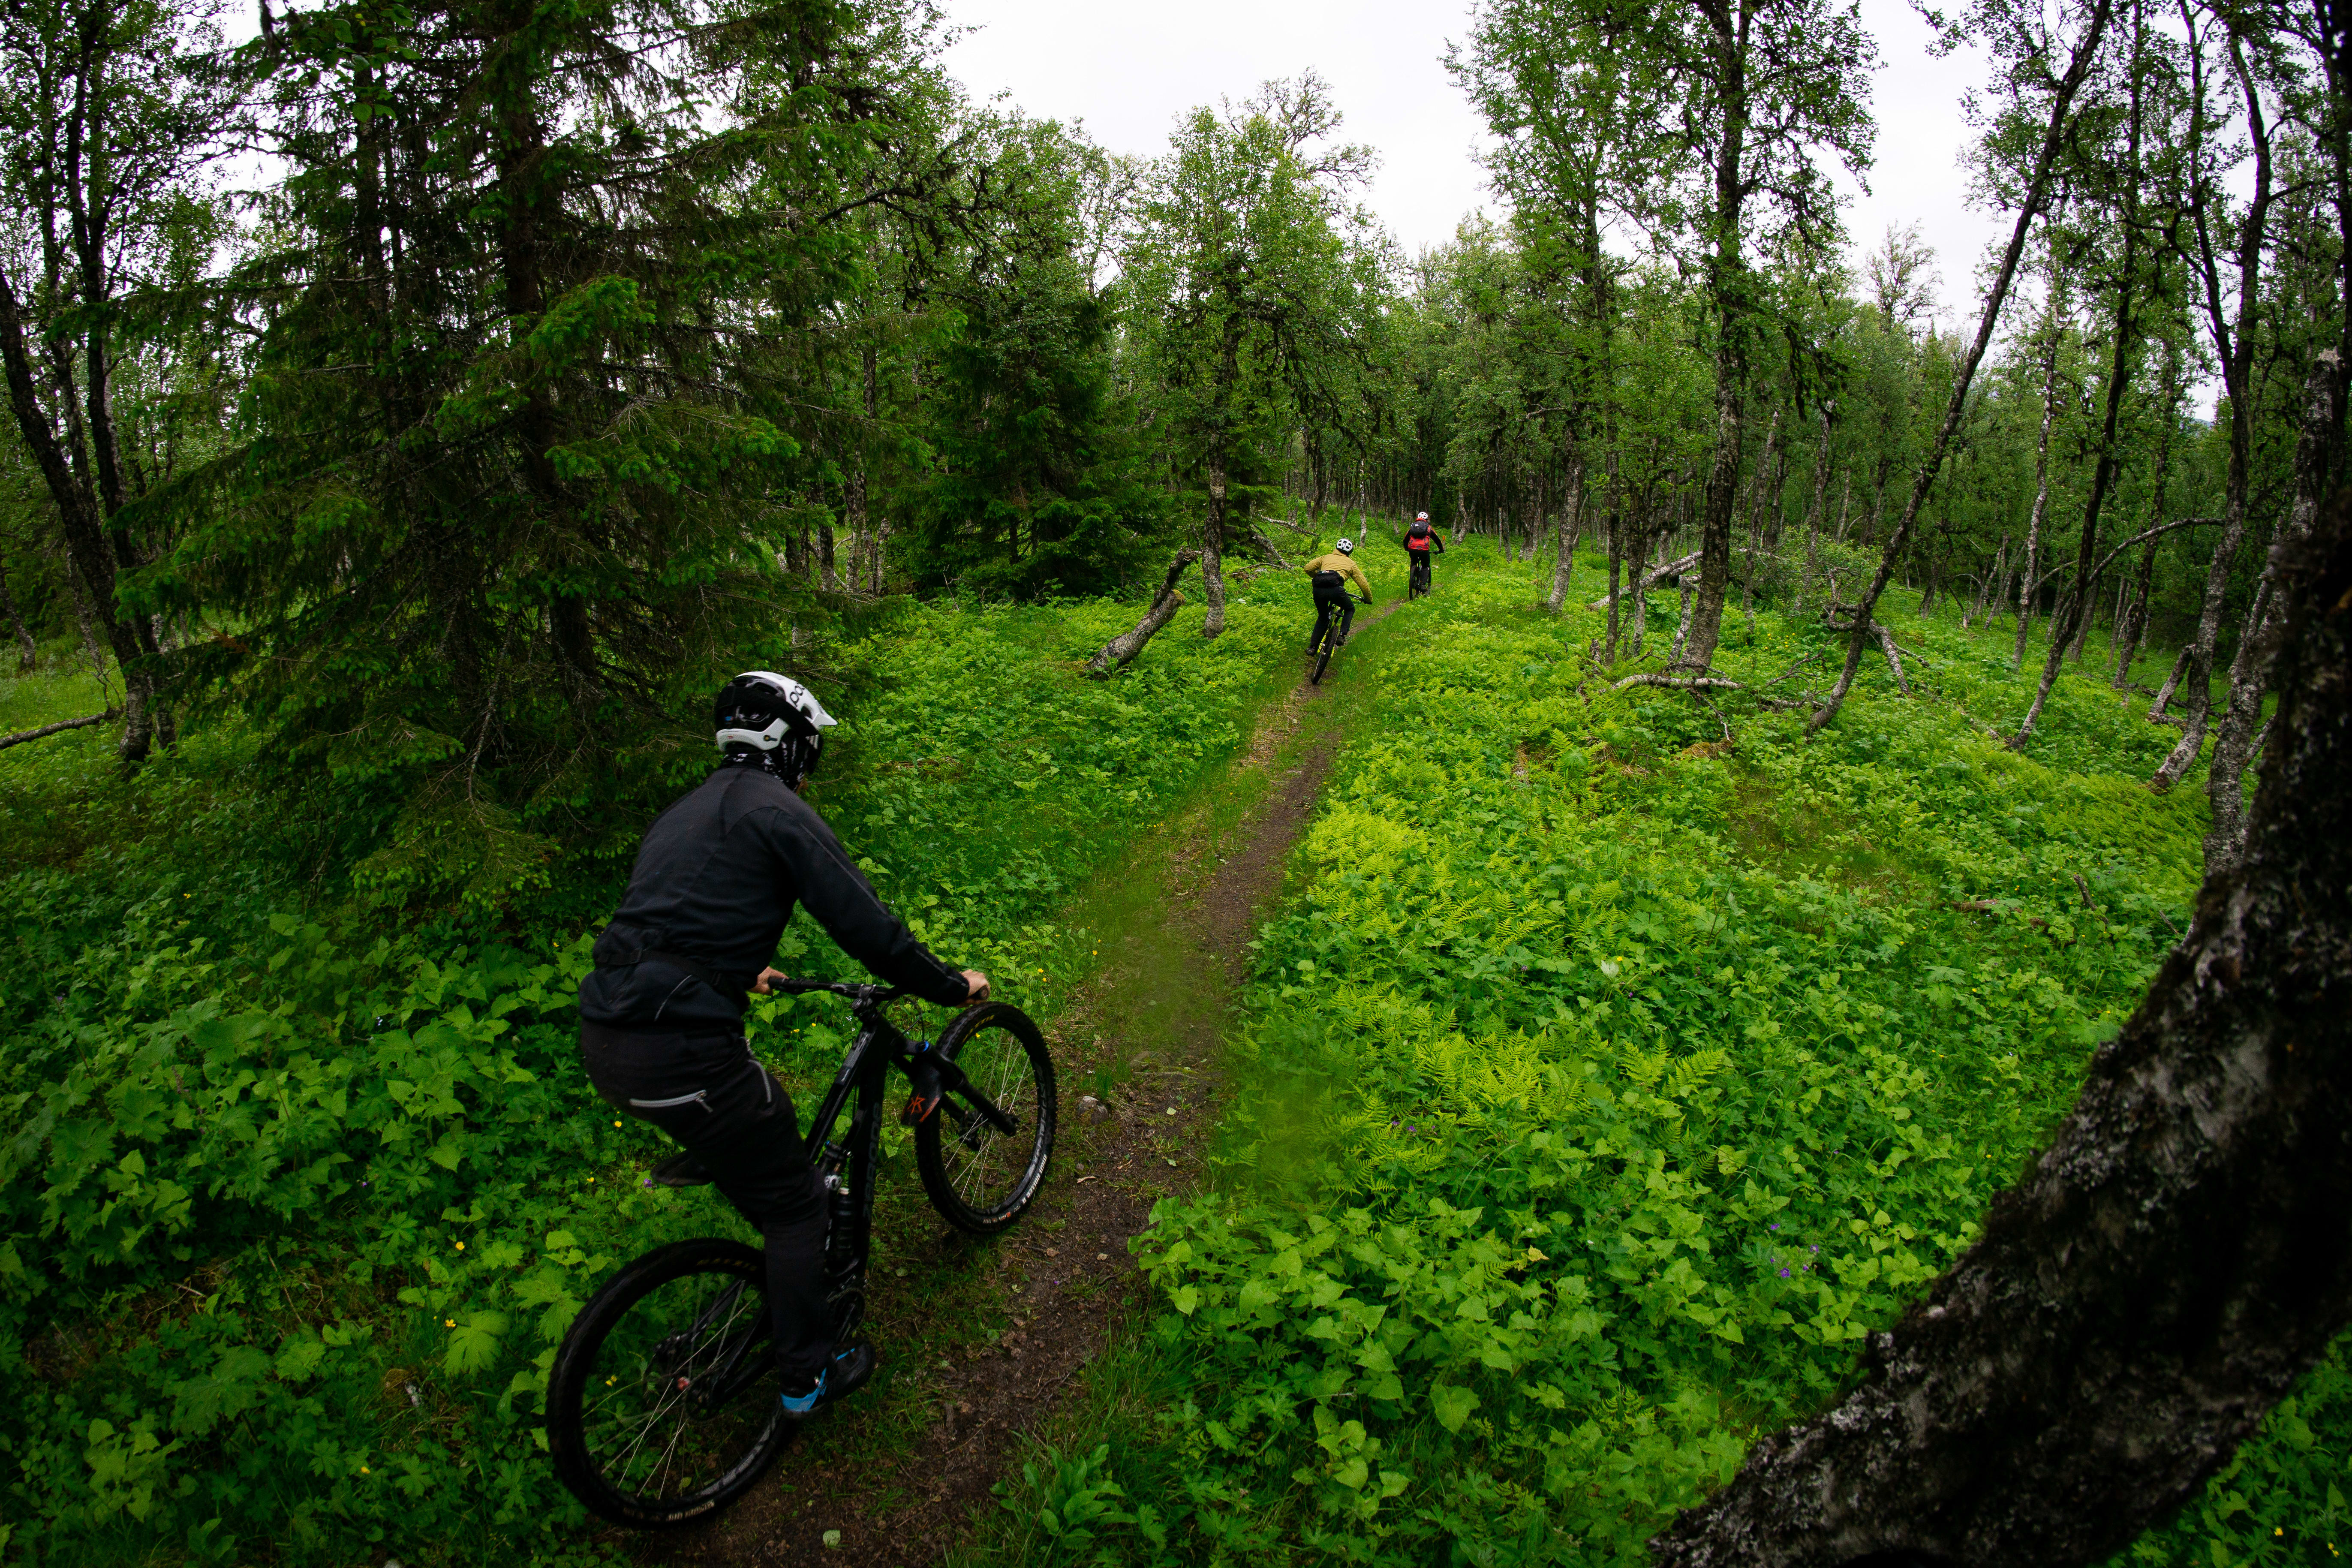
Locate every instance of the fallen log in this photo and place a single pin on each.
(1656, 575)
(1164, 606)
(1893, 649)
(60, 728)
(1680, 682)
(1257, 537)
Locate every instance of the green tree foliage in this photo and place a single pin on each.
(518, 436)
(1245, 286)
(1042, 482)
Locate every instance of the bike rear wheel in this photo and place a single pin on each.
(662, 1404)
(980, 1178)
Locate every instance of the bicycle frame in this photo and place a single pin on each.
(850, 1169)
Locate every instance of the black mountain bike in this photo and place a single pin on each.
(662, 1406)
(1327, 640)
(1418, 583)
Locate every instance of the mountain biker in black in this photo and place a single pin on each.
(1420, 541)
(661, 1016)
(1330, 574)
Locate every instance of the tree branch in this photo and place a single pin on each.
(60, 726)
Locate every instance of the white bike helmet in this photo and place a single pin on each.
(1346, 547)
(774, 716)
(1421, 517)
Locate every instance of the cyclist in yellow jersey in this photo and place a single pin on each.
(1330, 574)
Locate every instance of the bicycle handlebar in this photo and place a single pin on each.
(869, 994)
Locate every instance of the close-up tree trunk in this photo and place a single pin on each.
(2173, 1260)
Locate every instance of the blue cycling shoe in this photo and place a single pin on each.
(848, 1373)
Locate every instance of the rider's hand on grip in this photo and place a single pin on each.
(978, 983)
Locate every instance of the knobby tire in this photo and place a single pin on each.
(980, 1179)
(662, 1404)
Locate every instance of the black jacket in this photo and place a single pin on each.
(715, 881)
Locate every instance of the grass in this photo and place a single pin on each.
(1598, 1086)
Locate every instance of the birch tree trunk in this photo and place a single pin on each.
(1164, 606)
(2076, 626)
(1727, 35)
(2249, 670)
(1213, 549)
(1616, 553)
(2078, 67)
(1764, 465)
(2127, 638)
(2030, 588)
(2173, 1261)
(1813, 514)
(2236, 351)
(92, 557)
(1571, 517)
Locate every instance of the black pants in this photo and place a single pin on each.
(708, 1092)
(1326, 607)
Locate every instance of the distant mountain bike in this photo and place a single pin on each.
(1418, 583)
(1327, 642)
(662, 1406)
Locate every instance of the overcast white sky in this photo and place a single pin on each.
(1128, 70)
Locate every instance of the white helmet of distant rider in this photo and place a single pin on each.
(1346, 547)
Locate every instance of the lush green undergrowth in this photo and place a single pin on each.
(1603, 1083)
(300, 1188)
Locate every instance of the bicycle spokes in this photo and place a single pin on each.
(985, 1154)
(670, 1397)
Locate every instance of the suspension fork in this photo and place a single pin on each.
(850, 1167)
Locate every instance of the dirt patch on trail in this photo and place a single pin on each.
(1137, 1053)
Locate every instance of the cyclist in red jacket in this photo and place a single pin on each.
(1420, 541)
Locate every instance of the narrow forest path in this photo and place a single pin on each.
(1138, 1054)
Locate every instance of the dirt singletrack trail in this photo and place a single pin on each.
(1175, 918)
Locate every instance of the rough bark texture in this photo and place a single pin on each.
(2180, 1254)
(1164, 606)
(1571, 519)
(2249, 670)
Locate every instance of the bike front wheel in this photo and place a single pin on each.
(662, 1406)
(980, 1177)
